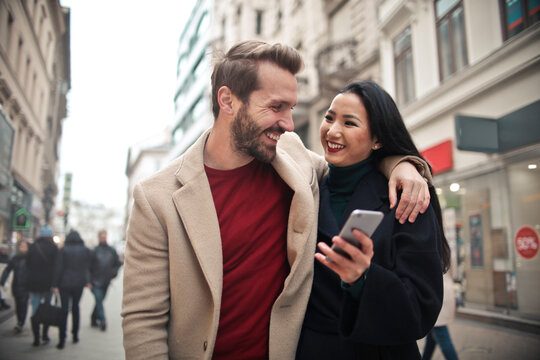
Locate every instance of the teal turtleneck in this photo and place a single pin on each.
(342, 181)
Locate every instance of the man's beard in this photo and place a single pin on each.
(246, 137)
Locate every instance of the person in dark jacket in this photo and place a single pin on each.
(377, 302)
(40, 263)
(18, 284)
(72, 274)
(105, 265)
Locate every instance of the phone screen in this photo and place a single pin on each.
(366, 221)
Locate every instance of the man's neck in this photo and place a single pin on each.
(219, 154)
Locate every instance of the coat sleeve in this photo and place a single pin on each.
(388, 164)
(402, 293)
(146, 297)
(6, 271)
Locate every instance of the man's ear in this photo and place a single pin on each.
(225, 100)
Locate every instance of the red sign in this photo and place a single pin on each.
(439, 157)
(526, 242)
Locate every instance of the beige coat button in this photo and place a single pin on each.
(205, 345)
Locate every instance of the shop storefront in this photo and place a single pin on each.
(24, 222)
(491, 211)
(492, 221)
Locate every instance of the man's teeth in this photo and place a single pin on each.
(335, 146)
(273, 136)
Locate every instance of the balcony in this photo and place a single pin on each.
(337, 64)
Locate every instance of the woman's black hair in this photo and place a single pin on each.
(387, 126)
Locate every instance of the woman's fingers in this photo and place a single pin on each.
(349, 270)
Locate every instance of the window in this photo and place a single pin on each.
(8, 32)
(258, 22)
(279, 16)
(451, 36)
(518, 15)
(19, 55)
(404, 68)
(238, 13)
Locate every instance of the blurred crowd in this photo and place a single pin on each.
(52, 279)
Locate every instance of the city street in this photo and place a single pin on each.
(473, 340)
(93, 344)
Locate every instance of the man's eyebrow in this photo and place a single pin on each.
(285, 102)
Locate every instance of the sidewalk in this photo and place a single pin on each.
(476, 340)
(93, 345)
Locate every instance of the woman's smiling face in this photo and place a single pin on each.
(345, 133)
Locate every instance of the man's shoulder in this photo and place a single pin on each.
(293, 151)
(166, 172)
(290, 140)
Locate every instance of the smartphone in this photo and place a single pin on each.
(364, 220)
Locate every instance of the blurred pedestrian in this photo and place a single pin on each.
(4, 254)
(40, 263)
(4, 259)
(72, 274)
(440, 334)
(104, 268)
(18, 283)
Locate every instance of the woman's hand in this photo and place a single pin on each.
(415, 196)
(349, 270)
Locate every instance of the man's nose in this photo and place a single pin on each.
(286, 122)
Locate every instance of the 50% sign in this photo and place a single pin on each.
(526, 242)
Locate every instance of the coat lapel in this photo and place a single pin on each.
(302, 213)
(195, 206)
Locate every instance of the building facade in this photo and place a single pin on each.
(34, 81)
(192, 97)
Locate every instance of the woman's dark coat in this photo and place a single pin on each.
(401, 295)
(40, 260)
(73, 264)
(17, 264)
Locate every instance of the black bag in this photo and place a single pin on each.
(50, 314)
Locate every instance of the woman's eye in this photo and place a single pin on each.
(350, 123)
(276, 107)
(328, 118)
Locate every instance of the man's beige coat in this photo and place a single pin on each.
(173, 265)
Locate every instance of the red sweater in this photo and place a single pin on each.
(252, 204)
